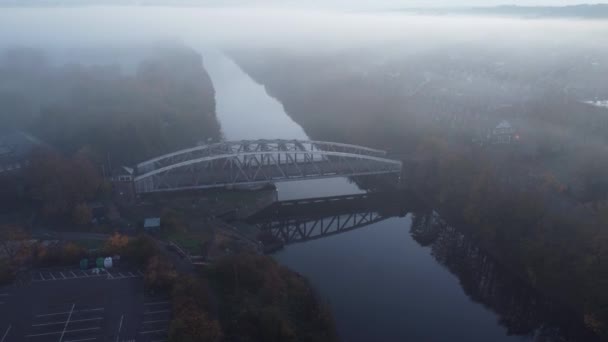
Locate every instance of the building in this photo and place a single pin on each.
(122, 174)
(503, 133)
(152, 225)
(15, 150)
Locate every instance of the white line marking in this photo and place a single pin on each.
(119, 327)
(152, 331)
(6, 333)
(89, 310)
(67, 322)
(62, 275)
(120, 274)
(74, 274)
(84, 274)
(84, 339)
(59, 332)
(52, 275)
(155, 312)
(157, 303)
(67, 312)
(53, 314)
(140, 273)
(158, 321)
(131, 274)
(40, 274)
(73, 321)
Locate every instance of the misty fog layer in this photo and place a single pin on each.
(126, 84)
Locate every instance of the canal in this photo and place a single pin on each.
(392, 280)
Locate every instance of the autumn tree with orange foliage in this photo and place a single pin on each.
(14, 244)
(116, 244)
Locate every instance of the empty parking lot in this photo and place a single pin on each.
(69, 306)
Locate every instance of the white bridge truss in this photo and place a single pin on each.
(251, 162)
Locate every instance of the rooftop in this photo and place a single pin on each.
(152, 222)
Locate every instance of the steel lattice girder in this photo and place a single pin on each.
(261, 167)
(299, 230)
(244, 146)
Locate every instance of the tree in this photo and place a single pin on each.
(116, 244)
(81, 214)
(160, 274)
(14, 244)
(60, 183)
(195, 327)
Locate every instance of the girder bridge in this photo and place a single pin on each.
(255, 162)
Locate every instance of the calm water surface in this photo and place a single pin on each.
(381, 284)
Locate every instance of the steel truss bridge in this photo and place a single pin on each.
(310, 219)
(256, 162)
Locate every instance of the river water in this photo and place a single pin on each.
(381, 282)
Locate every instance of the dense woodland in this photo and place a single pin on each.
(120, 113)
(539, 206)
(94, 118)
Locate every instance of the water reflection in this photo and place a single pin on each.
(293, 221)
(522, 310)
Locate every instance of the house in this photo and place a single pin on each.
(152, 225)
(122, 185)
(503, 133)
(122, 174)
(15, 150)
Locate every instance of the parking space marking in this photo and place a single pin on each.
(72, 321)
(155, 312)
(67, 322)
(120, 327)
(81, 274)
(67, 312)
(157, 303)
(53, 314)
(6, 333)
(60, 332)
(157, 321)
(152, 331)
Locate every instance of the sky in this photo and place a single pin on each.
(453, 3)
(404, 3)
(351, 4)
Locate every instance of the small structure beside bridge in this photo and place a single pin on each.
(258, 162)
